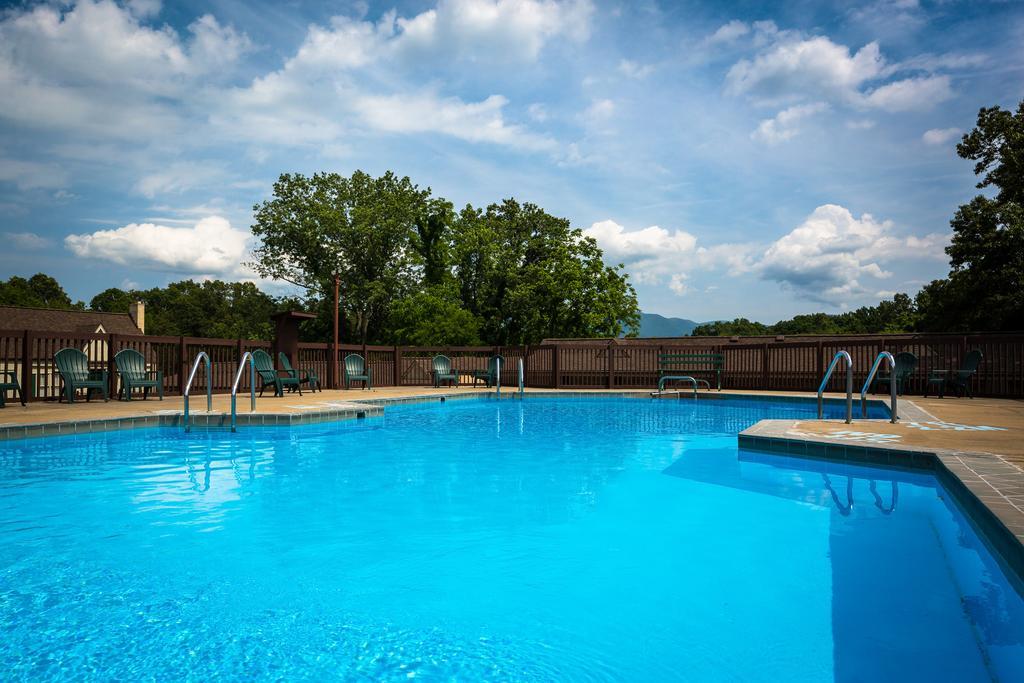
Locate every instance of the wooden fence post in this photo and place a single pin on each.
(611, 364)
(397, 370)
(821, 362)
(28, 391)
(556, 375)
(182, 365)
(111, 367)
(764, 367)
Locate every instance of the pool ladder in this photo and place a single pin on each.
(246, 357)
(845, 356)
(202, 356)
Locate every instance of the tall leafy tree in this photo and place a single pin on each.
(360, 228)
(112, 300)
(985, 287)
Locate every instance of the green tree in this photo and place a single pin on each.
(112, 300)
(985, 287)
(433, 317)
(359, 228)
(529, 275)
(213, 308)
(39, 291)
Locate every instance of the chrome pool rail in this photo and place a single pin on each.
(247, 356)
(521, 382)
(884, 355)
(840, 355)
(202, 355)
(680, 378)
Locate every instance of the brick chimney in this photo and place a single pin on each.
(137, 312)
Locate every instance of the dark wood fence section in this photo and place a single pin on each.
(593, 364)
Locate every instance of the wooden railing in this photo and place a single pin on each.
(632, 364)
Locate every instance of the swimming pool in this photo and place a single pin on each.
(544, 539)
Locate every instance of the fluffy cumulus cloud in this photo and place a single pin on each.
(785, 125)
(209, 247)
(833, 257)
(657, 256)
(792, 68)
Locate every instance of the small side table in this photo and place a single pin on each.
(939, 377)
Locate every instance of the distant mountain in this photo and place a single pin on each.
(654, 325)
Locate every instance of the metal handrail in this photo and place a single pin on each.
(521, 383)
(884, 355)
(252, 388)
(209, 385)
(497, 375)
(680, 378)
(849, 385)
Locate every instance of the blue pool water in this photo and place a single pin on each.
(545, 539)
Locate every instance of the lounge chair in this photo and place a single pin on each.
(443, 371)
(9, 382)
(490, 375)
(906, 363)
(268, 375)
(131, 367)
(960, 380)
(73, 366)
(356, 371)
(308, 376)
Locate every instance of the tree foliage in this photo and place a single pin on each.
(415, 271)
(38, 291)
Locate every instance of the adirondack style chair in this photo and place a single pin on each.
(131, 368)
(490, 375)
(268, 375)
(356, 371)
(906, 362)
(443, 371)
(73, 366)
(9, 382)
(960, 380)
(307, 376)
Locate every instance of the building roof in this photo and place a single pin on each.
(57, 320)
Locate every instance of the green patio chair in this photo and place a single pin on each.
(73, 366)
(960, 380)
(268, 375)
(307, 376)
(443, 371)
(490, 375)
(9, 382)
(131, 367)
(906, 363)
(356, 371)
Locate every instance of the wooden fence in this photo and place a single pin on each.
(788, 366)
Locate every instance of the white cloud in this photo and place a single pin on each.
(27, 240)
(728, 33)
(632, 69)
(828, 257)
(677, 283)
(940, 136)
(209, 247)
(794, 69)
(911, 94)
(784, 125)
(861, 124)
(650, 254)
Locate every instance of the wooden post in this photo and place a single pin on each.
(821, 363)
(611, 364)
(111, 367)
(557, 383)
(764, 366)
(26, 367)
(397, 369)
(526, 364)
(182, 365)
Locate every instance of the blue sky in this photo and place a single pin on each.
(744, 159)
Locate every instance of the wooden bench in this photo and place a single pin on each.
(672, 365)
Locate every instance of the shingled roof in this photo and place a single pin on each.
(56, 320)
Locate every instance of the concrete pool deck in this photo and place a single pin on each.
(976, 441)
